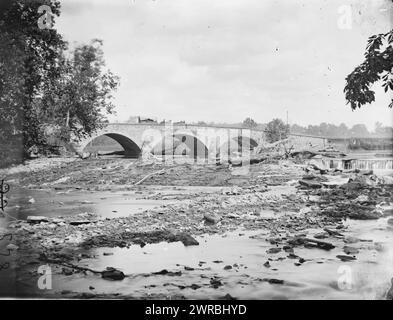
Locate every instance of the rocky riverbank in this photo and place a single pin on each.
(292, 208)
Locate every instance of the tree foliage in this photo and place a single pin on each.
(377, 66)
(343, 131)
(42, 83)
(79, 99)
(249, 123)
(276, 130)
(28, 59)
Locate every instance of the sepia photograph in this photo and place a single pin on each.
(221, 150)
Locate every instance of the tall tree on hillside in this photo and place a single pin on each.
(276, 130)
(377, 66)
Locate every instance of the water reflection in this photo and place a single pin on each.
(317, 278)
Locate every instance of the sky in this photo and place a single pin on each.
(225, 60)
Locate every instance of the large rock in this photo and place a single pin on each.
(350, 250)
(211, 218)
(12, 247)
(37, 219)
(387, 212)
(112, 274)
(186, 239)
(365, 214)
(273, 250)
(79, 222)
(363, 180)
(310, 184)
(318, 165)
(345, 258)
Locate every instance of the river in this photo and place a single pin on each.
(235, 260)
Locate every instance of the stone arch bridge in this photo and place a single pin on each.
(198, 141)
(193, 140)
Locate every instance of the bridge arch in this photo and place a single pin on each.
(237, 145)
(181, 143)
(131, 148)
(248, 142)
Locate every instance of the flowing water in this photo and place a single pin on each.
(322, 276)
(383, 166)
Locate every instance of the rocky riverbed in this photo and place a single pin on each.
(276, 229)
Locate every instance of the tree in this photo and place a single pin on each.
(359, 131)
(378, 65)
(249, 123)
(295, 128)
(381, 130)
(276, 130)
(378, 127)
(342, 131)
(80, 98)
(28, 60)
(42, 85)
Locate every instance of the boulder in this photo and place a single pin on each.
(321, 235)
(165, 272)
(112, 274)
(68, 271)
(273, 250)
(351, 239)
(350, 250)
(362, 198)
(317, 165)
(310, 243)
(36, 219)
(310, 184)
(12, 247)
(365, 215)
(211, 218)
(345, 258)
(186, 239)
(79, 222)
(273, 281)
(57, 220)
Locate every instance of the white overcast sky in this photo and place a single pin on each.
(225, 60)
